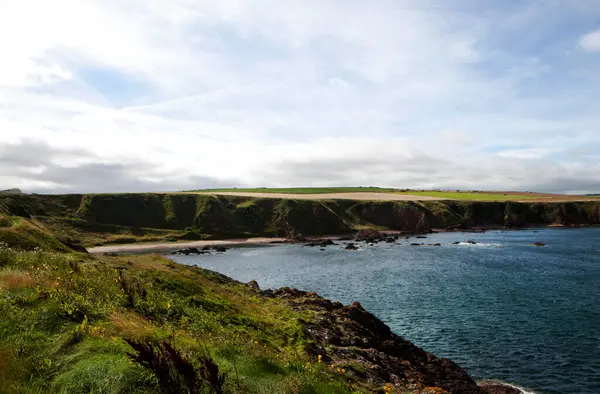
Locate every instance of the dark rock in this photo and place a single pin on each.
(538, 244)
(456, 243)
(322, 250)
(416, 244)
(220, 249)
(492, 387)
(353, 336)
(421, 236)
(253, 285)
(206, 248)
(351, 246)
(472, 242)
(435, 244)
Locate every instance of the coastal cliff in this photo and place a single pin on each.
(78, 323)
(144, 323)
(125, 218)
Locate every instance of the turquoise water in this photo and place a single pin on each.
(502, 309)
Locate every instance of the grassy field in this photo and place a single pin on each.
(305, 190)
(451, 195)
(475, 196)
(66, 318)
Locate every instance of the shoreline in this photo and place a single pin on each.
(157, 247)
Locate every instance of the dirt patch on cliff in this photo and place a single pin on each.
(366, 196)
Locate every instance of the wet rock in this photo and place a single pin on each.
(351, 246)
(416, 244)
(220, 249)
(492, 387)
(438, 244)
(538, 244)
(421, 236)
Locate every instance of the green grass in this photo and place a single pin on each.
(473, 196)
(452, 195)
(305, 190)
(65, 318)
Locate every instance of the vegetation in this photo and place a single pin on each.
(305, 190)
(72, 323)
(65, 222)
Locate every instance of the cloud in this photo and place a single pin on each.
(40, 167)
(591, 41)
(163, 94)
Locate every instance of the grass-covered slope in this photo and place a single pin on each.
(71, 323)
(124, 218)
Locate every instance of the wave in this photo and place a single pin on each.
(482, 244)
(514, 386)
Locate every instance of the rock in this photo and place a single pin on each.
(111, 254)
(421, 236)
(352, 335)
(435, 244)
(538, 244)
(416, 244)
(492, 387)
(390, 240)
(322, 250)
(351, 246)
(253, 285)
(206, 248)
(456, 243)
(220, 249)
(321, 242)
(472, 242)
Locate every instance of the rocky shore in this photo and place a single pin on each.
(350, 335)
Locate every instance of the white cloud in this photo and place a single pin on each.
(591, 41)
(400, 93)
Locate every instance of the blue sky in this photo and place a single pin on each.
(165, 95)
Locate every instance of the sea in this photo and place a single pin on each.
(500, 307)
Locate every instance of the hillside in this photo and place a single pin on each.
(125, 218)
(74, 323)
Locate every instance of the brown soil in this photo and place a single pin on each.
(367, 196)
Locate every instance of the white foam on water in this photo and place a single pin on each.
(482, 244)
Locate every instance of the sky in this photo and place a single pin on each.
(163, 95)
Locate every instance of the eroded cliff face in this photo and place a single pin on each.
(131, 217)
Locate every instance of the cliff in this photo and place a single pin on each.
(124, 218)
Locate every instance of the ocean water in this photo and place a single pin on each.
(502, 309)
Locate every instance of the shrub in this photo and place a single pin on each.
(176, 373)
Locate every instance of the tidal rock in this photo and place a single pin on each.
(538, 244)
(351, 246)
